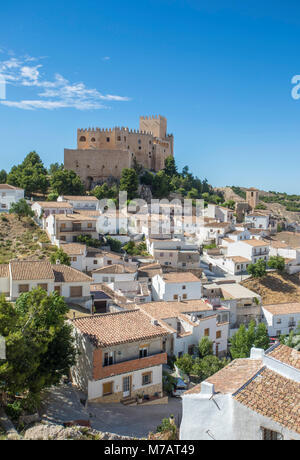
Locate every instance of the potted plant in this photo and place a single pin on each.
(139, 398)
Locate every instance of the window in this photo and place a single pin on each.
(278, 332)
(109, 358)
(206, 332)
(82, 139)
(23, 288)
(183, 287)
(144, 352)
(105, 279)
(57, 289)
(278, 321)
(108, 139)
(93, 139)
(43, 286)
(90, 225)
(147, 378)
(76, 291)
(184, 296)
(119, 138)
(218, 334)
(269, 435)
(175, 297)
(107, 388)
(95, 262)
(74, 259)
(3, 206)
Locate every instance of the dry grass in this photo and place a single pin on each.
(20, 239)
(275, 288)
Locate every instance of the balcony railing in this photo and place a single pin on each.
(77, 230)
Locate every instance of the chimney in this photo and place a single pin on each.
(207, 389)
(58, 262)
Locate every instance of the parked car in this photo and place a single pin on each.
(179, 388)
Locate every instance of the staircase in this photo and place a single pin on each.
(129, 401)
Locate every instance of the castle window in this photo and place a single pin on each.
(83, 139)
(108, 139)
(119, 138)
(150, 142)
(140, 148)
(93, 139)
(139, 141)
(88, 166)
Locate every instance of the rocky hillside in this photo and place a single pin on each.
(275, 288)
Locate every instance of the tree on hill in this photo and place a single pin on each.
(61, 256)
(66, 182)
(277, 263)
(170, 166)
(3, 176)
(161, 187)
(129, 182)
(31, 175)
(39, 343)
(244, 339)
(54, 167)
(21, 209)
(257, 270)
(104, 191)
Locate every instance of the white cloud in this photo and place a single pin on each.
(50, 94)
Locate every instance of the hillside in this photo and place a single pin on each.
(275, 288)
(21, 239)
(280, 205)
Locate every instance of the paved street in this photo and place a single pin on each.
(63, 404)
(136, 421)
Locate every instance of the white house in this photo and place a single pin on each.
(23, 276)
(188, 322)
(114, 273)
(43, 209)
(176, 286)
(282, 318)
(9, 195)
(258, 220)
(219, 213)
(253, 250)
(250, 399)
(121, 356)
(81, 202)
(214, 231)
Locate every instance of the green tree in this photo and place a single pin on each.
(39, 343)
(147, 178)
(170, 166)
(3, 176)
(205, 347)
(208, 366)
(185, 364)
(277, 263)
(21, 209)
(52, 196)
(54, 167)
(161, 185)
(104, 191)
(66, 182)
(257, 270)
(244, 339)
(129, 182)
(115, 245)
(31, 175)
(61, 256)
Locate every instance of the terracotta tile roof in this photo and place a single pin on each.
(150, 270)
(9, 187)
(180, 277)
(79, 198)
(283, 308)
(54, 204)
(117, 269)
(218, 224)
(239, 259)
(31, 270)
(4, 271)
(73, 248)
(117, 328)
(164, 310)
(76, 217)
(65, 274)
(282, 403)
(232, 377)
(255, 242)
(286, 355)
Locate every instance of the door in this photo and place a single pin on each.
(126, 387)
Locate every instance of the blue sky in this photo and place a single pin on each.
(220, 73)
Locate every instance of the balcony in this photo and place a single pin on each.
(292, 323)
(77, 230)
(130, 365)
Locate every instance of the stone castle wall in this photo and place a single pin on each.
(102, 153)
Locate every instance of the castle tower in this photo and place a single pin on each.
(156, 125)
(252, 197)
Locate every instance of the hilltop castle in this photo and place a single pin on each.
(104, 153)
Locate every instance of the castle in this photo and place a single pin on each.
(104, 153)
